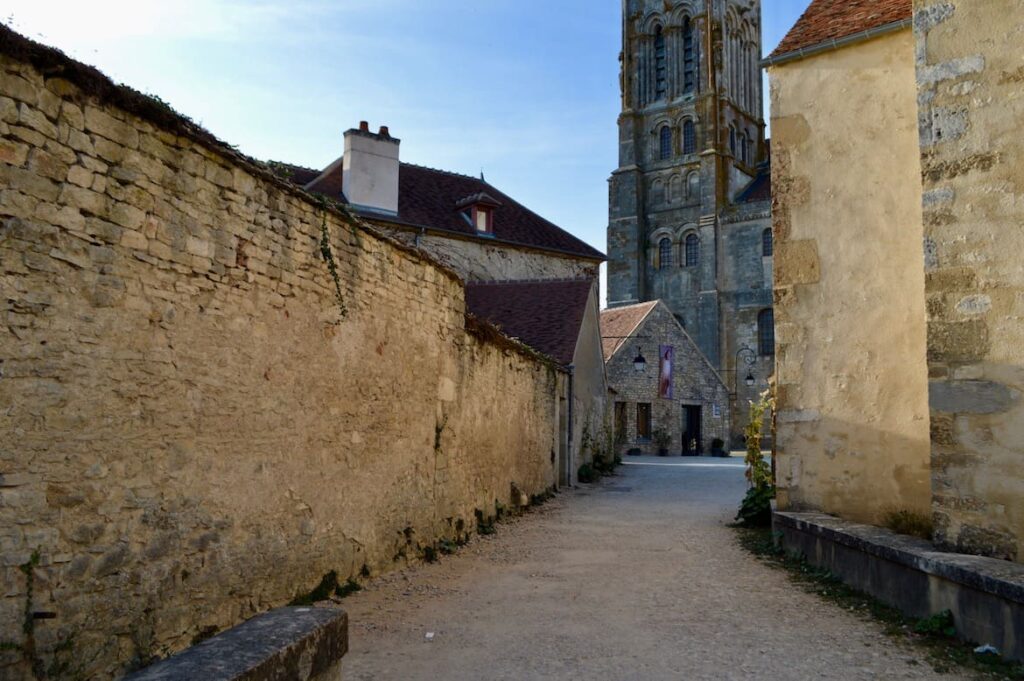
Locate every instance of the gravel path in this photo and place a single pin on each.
(635, 578)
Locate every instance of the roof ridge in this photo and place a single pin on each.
(562, 280)
(446, 172)
(627, 307)
(271, 162)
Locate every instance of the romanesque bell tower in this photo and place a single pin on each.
(691, 140)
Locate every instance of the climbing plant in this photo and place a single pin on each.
(332, 265)
(756, 509)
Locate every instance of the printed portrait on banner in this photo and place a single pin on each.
(667, 354)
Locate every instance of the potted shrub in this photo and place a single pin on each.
(662, 440)
(718, 448)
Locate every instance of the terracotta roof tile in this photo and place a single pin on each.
(546, 315)
(618, 323)
(828, 20)
(430, 198)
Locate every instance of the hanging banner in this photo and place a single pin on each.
(667, 355)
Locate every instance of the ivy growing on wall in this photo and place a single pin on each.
(327, 253)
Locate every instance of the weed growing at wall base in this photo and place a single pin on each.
(756, 508)
(933, 636)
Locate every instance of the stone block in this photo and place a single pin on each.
(35, 119)
(971, 397)
(796, 262)
(102, 123)
(13, 152)
(304, 644)
(81, 176)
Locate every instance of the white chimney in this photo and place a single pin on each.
(370, 179)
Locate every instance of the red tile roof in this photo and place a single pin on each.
(546, 315)
(619, 323)
(827, 20)
(430, 198)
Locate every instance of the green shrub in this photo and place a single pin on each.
(756, 508)
(940, 624)
(910, 523)
(587, 474)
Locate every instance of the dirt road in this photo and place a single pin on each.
(635, 578)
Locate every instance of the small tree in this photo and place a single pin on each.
(756, 509)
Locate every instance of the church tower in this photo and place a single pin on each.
(691, 143)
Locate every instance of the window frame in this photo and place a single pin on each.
(767, 243)
(665, 143)
(691, 250)
(660, 65)
(690, 69)
(664, 253)
(766, 332)
(689, 137)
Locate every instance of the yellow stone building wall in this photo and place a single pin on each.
(191, 432)
(849, 287)
(970, 73)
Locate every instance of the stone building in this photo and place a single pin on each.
(690, 203)
(674, 389)
(551, 297)
(462, 221)
(906, 394)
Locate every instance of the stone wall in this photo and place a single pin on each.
(695, 383)
(748, 291)
(970, 78)
(478, 260)
(852, 413)
(197, 423)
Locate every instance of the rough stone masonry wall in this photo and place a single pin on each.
(477, 260)
(190, 430)
(852, 419)
(970, 76)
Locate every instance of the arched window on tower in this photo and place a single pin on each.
(665, 143)
(660, 65)
(732, 140)
(693, 186)
(689, 58)
(691, 250)
(689, 138)
(767, 245)
(743, 147)
(766, 332)
(664, 254)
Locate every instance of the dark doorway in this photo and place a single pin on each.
(692, 445)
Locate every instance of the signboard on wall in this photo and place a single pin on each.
(666, 355)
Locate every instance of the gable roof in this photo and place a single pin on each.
(546, 315)
(760, 188)
(619, 323)
(434, 198)
(826, 21)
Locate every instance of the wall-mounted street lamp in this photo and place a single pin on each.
(750, 357)
(639, 363)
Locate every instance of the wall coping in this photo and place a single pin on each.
(287, 643)
(997, 577)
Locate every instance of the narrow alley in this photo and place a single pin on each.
(635, 578)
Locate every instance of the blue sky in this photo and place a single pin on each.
(526, 90)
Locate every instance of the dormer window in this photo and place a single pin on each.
(478, 212)
(483, 220)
